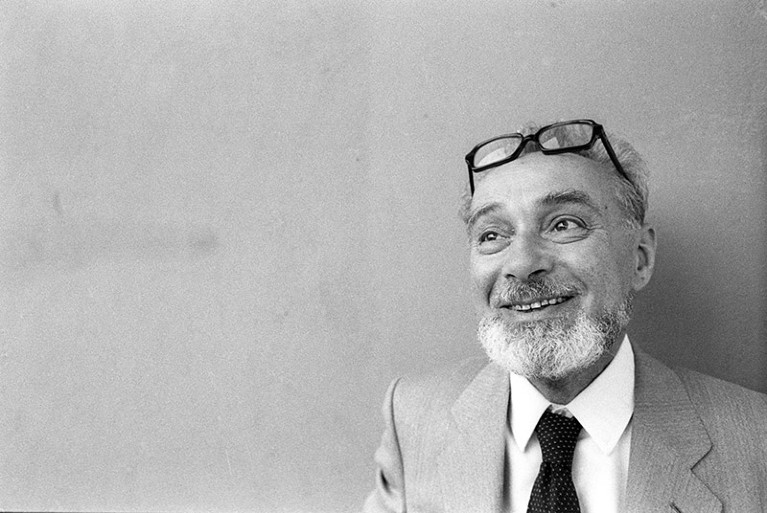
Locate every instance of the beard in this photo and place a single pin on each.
(552, 349)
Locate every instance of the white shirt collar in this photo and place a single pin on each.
(604, 408)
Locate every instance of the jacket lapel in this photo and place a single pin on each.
(667, 441)
(472, 464)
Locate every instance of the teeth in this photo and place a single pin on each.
(539, 304)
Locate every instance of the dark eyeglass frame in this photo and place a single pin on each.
(598, 132)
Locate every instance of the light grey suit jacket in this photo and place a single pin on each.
(698, 444)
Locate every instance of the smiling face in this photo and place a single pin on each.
(552, 259)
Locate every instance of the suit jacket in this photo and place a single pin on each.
(698, 444)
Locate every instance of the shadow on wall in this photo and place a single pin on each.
(63, 244)
(706, 306)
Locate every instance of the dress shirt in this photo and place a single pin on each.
(600, 463)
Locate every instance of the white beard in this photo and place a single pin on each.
(551, 349)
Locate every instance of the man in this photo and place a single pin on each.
(568, 415)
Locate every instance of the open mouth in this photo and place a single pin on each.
(538, 304)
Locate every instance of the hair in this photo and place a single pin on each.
(554, 348)
(632, 194)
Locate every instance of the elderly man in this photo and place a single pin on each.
(568, 415)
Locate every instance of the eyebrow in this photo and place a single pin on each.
(481, 211)
(552, 199)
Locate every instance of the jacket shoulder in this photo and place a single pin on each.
(436, 391)
(715, 398)
(712, 398)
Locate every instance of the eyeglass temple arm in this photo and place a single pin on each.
(611, 153)
(471, 179)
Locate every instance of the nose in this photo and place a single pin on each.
(528, 257)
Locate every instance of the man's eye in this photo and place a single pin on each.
(567, 229)
(489, 237)
(489, 241)
(564, 225)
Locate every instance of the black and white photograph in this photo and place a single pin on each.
(412, 256)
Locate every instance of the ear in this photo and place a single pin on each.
(645, 257)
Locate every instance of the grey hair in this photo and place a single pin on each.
(632, 194)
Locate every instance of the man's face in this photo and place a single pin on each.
(551, 250)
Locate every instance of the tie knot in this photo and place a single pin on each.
(557, 435)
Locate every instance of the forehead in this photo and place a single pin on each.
(525, 182)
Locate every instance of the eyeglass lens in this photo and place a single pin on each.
(570, 135)
(566, 136)
(496, 150)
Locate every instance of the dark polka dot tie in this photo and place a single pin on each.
(553, 491)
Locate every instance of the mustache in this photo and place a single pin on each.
(522, 292)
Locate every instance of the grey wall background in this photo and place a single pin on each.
(227, 226)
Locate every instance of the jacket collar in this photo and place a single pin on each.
(667, 440)
(473, 463)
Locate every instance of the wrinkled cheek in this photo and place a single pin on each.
(483, 293)
(483, 278)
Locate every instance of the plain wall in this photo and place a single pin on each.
(226, 226)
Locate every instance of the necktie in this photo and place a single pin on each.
(553, 491)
